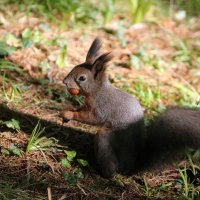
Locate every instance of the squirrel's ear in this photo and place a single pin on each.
(93, 51)
(100, 64)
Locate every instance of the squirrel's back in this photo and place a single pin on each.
(121, 110)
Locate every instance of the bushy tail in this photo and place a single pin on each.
(169, 134)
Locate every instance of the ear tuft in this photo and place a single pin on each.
(104, 58)
(101, 63)
(93, 51)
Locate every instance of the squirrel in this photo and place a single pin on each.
(122, 142)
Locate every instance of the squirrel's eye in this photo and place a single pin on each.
(82, 78)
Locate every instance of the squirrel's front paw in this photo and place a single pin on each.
(66, 115)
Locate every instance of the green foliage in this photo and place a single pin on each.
(79, 100)
(45, 66)
(196, 155)
(13, 123)
(135, 61)
(82, 162)
(30, 37)
(9, 66)
(66, 10)
(139, 9)
(147, 93)
(36, 142)
(65, 163)
(8, 192)
(12, 149)
(141, 57)
(182, 53)
(11, 40)
(189, 190)
(70, 154)
(122, 181)
(189, 95)
(12, 91)
(5, 151)
(5, 49)
(61, 59)
(9, 90)
(74, 176)
(191, 6)
(155, 191)
(36, 133)
(120, 35)
(108, 10)
(147, 189)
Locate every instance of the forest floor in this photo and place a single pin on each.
(158, 62)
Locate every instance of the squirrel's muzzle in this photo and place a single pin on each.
(72, 86)
(65, 80)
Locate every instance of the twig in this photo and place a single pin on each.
(28, 171)
(78, 185)
(49, 193)
(122, 197)
(52, 168)
(64, 196)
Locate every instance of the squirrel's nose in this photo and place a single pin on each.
(65, 81)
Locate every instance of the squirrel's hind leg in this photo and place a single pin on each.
(104, 153)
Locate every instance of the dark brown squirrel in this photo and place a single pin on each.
(122, 143)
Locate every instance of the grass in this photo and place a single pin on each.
(9, 66)
(138, 9)
(189, 190)
(34, 138)
(79, 12)
(13, 93)
(8, 192)
(192, 6)
(157, 65)
(56, 10)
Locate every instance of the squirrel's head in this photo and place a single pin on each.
(89, 76)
